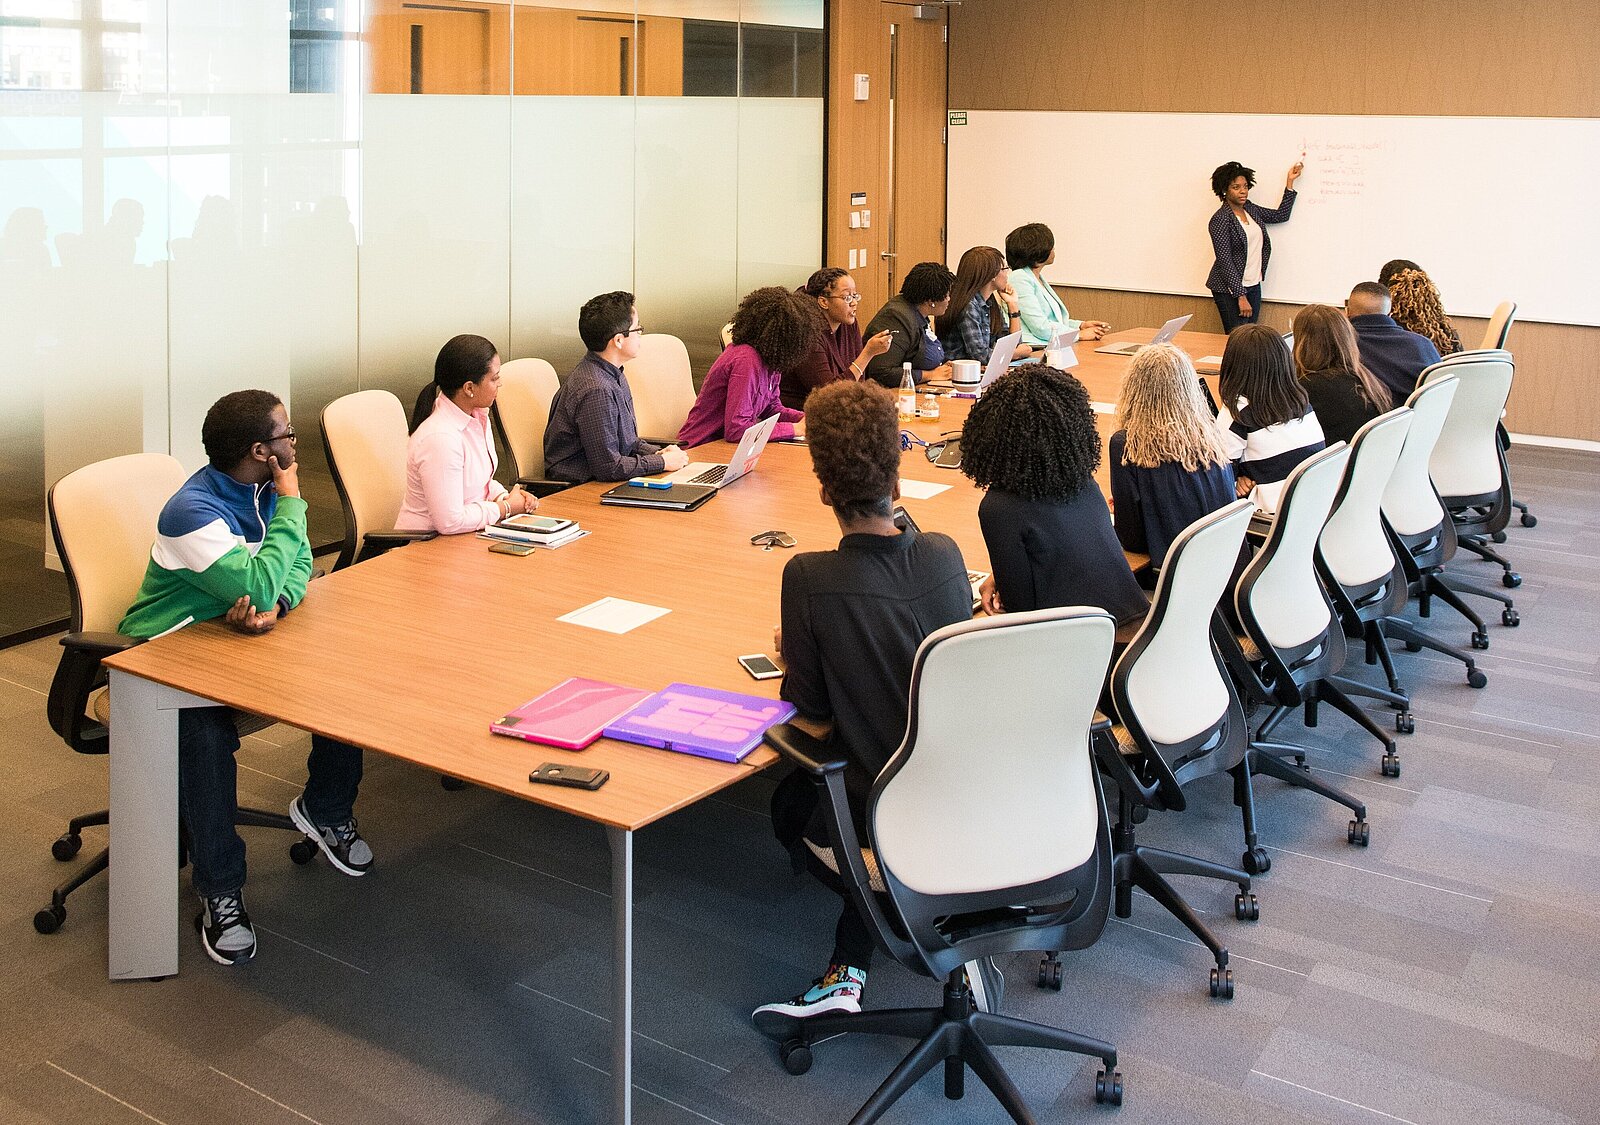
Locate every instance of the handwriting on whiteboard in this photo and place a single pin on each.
(1337, 169)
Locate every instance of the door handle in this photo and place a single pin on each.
(887, 254)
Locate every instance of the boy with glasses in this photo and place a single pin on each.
(232, 544)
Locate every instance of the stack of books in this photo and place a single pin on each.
(535, 530)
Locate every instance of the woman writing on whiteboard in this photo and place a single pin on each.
(1029, 249)
(1239, 238)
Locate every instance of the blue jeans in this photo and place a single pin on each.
(1228, 306)
(208, 797)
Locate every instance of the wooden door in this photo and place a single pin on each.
(918, 76)
(449, 50)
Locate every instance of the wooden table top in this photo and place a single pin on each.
(414, 653)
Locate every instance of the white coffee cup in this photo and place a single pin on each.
(966, 371)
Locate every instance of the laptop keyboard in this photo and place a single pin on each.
(712, 475)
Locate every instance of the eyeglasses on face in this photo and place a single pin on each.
(848, 298)
(631, 331)
(287, 435)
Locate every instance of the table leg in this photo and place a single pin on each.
(144, 826)
(621, 842)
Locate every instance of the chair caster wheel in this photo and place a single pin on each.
(1359, 833)
(1498, 537)
(1050, 974)
(1413, 646)
(795, 1054)
(1511, 580)
(1222, 984)
(1529, 520)
(1108, 1088)
(1257, 861)
(1480, 640)
(1477, 679)
(1405, 723)
(451, 784)
(1246, 908)
(1510, 618)
(302, 851)
(1391, 765)
(49, 920)
(65, 846)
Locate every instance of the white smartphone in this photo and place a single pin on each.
(760, 666)
(538, 525)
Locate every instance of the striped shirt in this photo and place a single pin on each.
(1267, 454)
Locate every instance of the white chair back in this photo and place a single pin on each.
(981, 798)
(1196, 574)
(526, 388)
(104, 518)
(1286, 598)
(1466, 458)
(1409, 502)
(1499, 326)
(366, 436)
(1354, 545)
(662, 385)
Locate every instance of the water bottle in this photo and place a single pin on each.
(930, 406)
(908, 395)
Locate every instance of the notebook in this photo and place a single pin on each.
(570, 715)
(678, 498)
(705, 722)
(744, 460)
(1168, 331)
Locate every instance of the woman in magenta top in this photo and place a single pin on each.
(773, 330)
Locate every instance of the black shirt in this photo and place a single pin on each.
(1048, 554)
(1340, 407)
(1154, 506)
(852, 621)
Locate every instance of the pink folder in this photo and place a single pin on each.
(570, 715)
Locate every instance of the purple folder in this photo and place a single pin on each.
(725, 725)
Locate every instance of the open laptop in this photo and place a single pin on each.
(1168, 330)
(999, 359)
(744, 460)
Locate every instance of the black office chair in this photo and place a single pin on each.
(987, 835)
(1167, 738)
(1293, 644)
(103, 518)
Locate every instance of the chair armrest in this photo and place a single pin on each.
(375, 543)
(1118, 767)
(77, 677)
(1101, 722)
(540, 487)
(804, 750)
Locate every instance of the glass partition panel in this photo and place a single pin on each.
(780, 191)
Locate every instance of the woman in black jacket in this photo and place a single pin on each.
(1240, 241)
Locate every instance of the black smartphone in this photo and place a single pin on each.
(521, 550)
(903, 520)
(579, 777)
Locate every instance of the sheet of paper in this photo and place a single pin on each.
(920, 489)
(1103, 407)
(614, 615)
(1209, 361)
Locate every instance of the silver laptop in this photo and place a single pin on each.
(1000, 358)
(1168, 330)
(744, 460)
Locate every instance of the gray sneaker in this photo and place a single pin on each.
(225, 929)
(986, 983)
(341, 843)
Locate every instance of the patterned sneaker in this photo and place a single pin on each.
(225, 929)
(341, 843)
(839, 990)
(986, 983)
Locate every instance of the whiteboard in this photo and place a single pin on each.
(1494, 208)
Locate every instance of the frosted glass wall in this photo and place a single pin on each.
(310, 196)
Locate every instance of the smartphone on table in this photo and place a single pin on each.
(760, 666)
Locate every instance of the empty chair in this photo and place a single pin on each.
(521, 411)
(1499, 326)
(1293, 644)
(1167, 739)
(987, 835)
(1469, 464)
(103, 517)
(662, 385)
(1422, 531)
(365, 436)
(1358, 562)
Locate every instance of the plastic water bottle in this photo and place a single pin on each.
(907, 404)
(930, 406)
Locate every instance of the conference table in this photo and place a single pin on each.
(414, 653)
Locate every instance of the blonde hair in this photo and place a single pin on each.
(1164, 414)
(1418, 307)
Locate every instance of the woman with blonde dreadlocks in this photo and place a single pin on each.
(1417, 305)
(1168, 467)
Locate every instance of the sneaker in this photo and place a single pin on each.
(341, 843)
(225, 929)
(839, 990)
(986, 983)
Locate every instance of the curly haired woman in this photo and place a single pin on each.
(1031, 443)
(773, 329)
(1417, 305)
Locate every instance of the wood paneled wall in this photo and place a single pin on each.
(1510, 58)
(858, 135)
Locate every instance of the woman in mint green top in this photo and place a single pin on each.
(1029, 249)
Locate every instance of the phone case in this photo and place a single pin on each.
(577, 777)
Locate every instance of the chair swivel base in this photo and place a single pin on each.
(1138, 866)
(1272, 759)
(957, 1035)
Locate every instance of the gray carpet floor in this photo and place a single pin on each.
(1448, 973)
